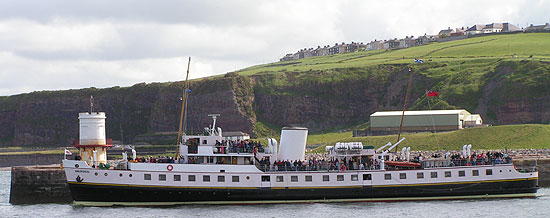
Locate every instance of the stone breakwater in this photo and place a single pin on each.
(32, 185)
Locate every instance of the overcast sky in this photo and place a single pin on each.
(53, 45)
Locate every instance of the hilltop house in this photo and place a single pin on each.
(322, 51)
(537, 28)
(459, 32)
(393, 43)
(425, 39)
(407, 42)
(492, 28)
(375, 45)
(354, 46)
(445, 33)
(335, 49)
(287, 57)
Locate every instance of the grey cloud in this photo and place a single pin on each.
(43, 44)
(209, 12)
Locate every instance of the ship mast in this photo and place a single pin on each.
(184, 100)
(404, 107)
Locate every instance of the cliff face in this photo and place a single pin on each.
(513, 92)
(51, 118)
(333, 103)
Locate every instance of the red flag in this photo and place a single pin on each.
(432, 94)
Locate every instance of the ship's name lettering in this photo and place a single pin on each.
(82, 171)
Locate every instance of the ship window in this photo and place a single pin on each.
(235, 178)
(433, 174)
(177, 177)
(488, 172)
(204, 142)
(387, 176)
(420, 175)
(309, 178)
(294, 178)
(325, 178)
(206, 178)
(162, 177)
(221, 178)
(191, 178)
(265, 178)
(340, 177)
(402, 176)
(280, 179)
(367, 176)
(447, 173)
(475, 172)
(461, 173)
(147, 176)
(354, 177)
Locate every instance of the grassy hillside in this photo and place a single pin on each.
(461, 71)
(482, 49)
(533, 136)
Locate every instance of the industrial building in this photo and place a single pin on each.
(387, 122)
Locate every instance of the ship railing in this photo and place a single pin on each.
(220, 149)
(327, 167)
(432, 163)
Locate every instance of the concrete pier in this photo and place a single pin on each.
(36, 184)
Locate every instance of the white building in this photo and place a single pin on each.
(388, 122)
(236, 136)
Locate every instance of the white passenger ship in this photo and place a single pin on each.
(221, 174)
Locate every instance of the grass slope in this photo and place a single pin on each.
(532, 136)
(512, 46)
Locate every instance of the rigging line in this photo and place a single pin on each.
(185, 116)
(404, 107)
(433, 122)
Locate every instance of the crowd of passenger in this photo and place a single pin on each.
(318, 163)
(457, 158)
(159, 159)
(238, 146)
(322, 161)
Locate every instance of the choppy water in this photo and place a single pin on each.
(538, 207)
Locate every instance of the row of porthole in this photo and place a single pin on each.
(106, 174)
(130, 175)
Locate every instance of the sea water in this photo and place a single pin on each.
(528, 207)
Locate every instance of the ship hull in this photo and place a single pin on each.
(111, 194)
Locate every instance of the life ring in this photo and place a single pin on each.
(169, 167)
(342, 167)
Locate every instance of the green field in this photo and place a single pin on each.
(519, 46)
(531, 136)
